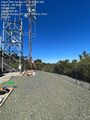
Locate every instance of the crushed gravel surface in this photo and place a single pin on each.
(46, 96)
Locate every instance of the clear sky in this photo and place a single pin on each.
(64, 33)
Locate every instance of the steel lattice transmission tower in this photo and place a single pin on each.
(12, 42)
(12, 38)
(31, 15)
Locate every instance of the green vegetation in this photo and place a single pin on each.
(78, 69)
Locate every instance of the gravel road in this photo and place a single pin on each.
(46, 96)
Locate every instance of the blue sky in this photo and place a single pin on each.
(64, 33)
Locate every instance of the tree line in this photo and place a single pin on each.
(78, 69)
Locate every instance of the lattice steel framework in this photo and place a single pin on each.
(12, 42)
(12, 38)
(31, 15)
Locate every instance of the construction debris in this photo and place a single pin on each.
(7, 76)
(28, 73)
(4, 93)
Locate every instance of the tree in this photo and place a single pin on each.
(38, 64)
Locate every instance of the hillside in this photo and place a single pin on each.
(46, 96)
